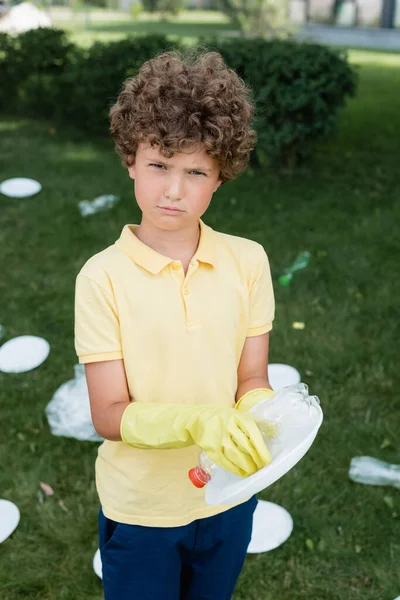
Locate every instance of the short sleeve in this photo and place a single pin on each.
(262, 303)
(97, 332)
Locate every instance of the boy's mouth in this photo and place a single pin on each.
(170, 209)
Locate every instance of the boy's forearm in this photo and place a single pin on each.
(108, 424)
(252, 383)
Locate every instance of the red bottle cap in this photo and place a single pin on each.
(199, 477)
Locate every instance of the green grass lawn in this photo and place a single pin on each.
(345, 210)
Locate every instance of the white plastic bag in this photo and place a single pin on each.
(68, 412)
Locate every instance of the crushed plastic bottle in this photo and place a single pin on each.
(301, 262)
(290, 422)
(371, 471)
(99, 204)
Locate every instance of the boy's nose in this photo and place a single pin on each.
(174, 189)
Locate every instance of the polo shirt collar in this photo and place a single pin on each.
(154, 262)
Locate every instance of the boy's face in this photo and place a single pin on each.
(173, 193)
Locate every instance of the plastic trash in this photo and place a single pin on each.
(20, 187)
(99, 204)
(97, 565)
(298, 417)
(371, 471)
(272, 526)
(9, 519)
(68, 412)
(23, 353)
(281, 376)
(301, 262)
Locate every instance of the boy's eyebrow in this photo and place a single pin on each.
(161, 162)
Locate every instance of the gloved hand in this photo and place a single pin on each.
(250, 399)
(230, 439)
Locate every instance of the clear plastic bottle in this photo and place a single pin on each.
(201, 474)
(371, 471)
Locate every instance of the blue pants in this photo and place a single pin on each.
(199, 561)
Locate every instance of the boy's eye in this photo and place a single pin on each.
(158, 167)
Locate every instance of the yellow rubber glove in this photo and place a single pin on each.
(231, 439)
(250, 399)
(253, 397)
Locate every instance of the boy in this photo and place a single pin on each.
(172, 325)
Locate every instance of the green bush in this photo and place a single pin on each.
(88, 86)
(29, 65)
(299, 89)
(9, 72)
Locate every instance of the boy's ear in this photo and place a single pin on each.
(217, 185)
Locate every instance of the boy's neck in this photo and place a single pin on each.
(178, 245)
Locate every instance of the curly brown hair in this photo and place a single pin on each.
(183, 99)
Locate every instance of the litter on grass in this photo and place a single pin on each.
(97, 565)
(301, 262)
(281, 376)
(9, 519)
(20, 187)
(68, 412)
(298, 325)
(99, 204)
(272, 526)
(23, 353)
(371, 471)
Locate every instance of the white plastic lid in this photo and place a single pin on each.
(20, 187)
(272, 526)
(9, 519)
(281, 376)
(97, 565)
(23, 353)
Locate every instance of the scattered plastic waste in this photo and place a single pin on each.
(272, 526)
(23, 353)
(20, 187)
(298, 325)
(9, 519)
(99, 204)
(371, 471)
(301, 262)
(298, 417)
(97, 565)
(281, 376)
(68, 412)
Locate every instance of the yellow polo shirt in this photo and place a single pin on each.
(181, 338)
